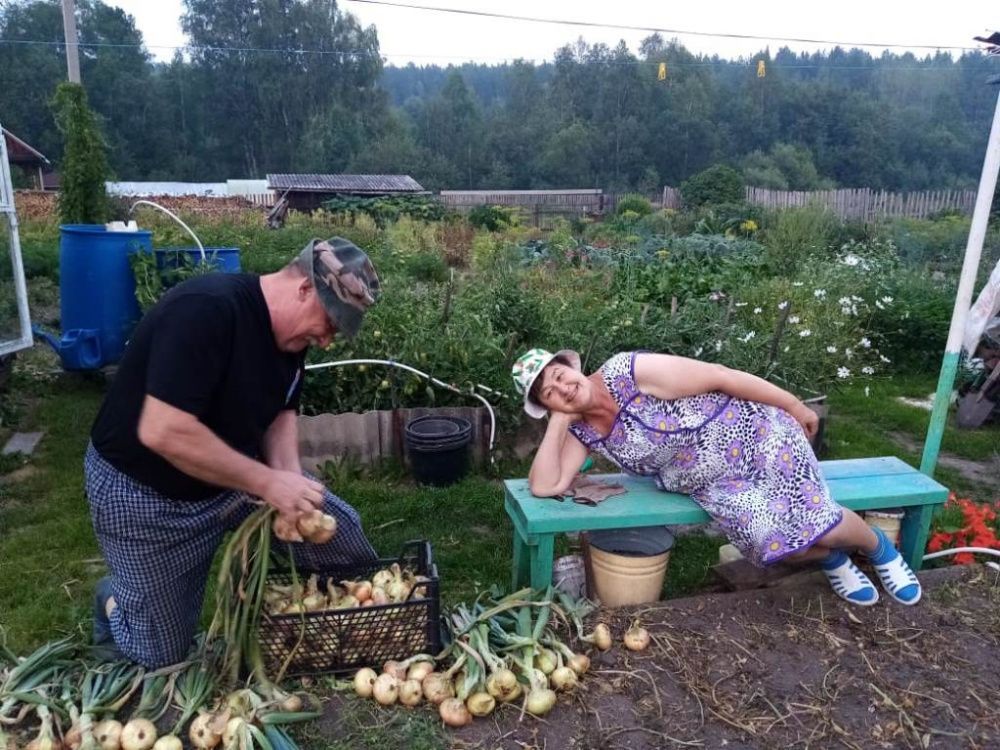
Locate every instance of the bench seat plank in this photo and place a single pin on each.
(858, 484)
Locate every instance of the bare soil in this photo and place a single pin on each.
(786, 668)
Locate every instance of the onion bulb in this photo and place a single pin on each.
(540, 701)
(382, 579)
(503, 685)
(410, 693)
(379, 596)
(437, 688)
(109, 734)
(579, 663)
(168, 742)
(316, 527)
(563, 678)
(395, 668)
(202, 734)
(292, 704)
(601, 637)
(73, 737)
(419, 670)
(347, 602)
(386, 689)
(636, 638)
(454, 713)
(233, 730)
(364, 682)
(545, 661)
(285, 529)
(138, 734)
(480, 704)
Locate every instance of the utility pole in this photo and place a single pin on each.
(72, 47)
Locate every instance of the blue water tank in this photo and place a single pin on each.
(225, 259)
(97, 293)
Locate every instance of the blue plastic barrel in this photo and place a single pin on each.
(97, 293)
(225, 259)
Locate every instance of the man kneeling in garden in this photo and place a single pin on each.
(199, 427)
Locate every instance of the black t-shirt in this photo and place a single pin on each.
(207, 348)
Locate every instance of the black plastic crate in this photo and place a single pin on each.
(344, 640)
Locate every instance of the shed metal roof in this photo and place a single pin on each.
(20, 152)
(345, 183)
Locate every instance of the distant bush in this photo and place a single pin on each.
(493, 218)
(386, 209)
(639, 204)
(799, 233)
(718, 184)
(426, 267)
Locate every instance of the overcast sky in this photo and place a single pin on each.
(426, 37)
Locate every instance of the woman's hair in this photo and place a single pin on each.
(535, 392)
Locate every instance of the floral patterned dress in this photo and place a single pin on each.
(749, 465)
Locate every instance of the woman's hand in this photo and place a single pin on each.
(807, 418)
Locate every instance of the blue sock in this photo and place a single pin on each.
(835, 559)
(885, 552)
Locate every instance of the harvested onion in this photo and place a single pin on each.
(601, 637)
(454, 713)
(579, 663)
(203, 734)
(410, 693)
(437, 688)
(364, 682)
(503, 685)
(386, 689)
(168, 742)
(109, 734)
(480, 704)
(395, 668)
(540, 701)
(563, 678)
(419, 670)
(636, 638)
(285, 529)
(138, 734)
(316, 527)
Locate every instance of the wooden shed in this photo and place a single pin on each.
(306, 192)
(34, 163)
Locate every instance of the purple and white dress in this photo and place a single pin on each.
(749, 465)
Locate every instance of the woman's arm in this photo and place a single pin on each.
(669, 377)
(558, 459)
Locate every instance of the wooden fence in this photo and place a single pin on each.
(865, 204)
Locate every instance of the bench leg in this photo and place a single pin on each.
(916, 526)
(541, 561)
(521, 567)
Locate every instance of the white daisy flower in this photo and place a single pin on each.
(865, 342)
(867, 391)
(740, 304)
(887, 300)
(879, 305)
(797, 283)
(844, 301)
(794, 319)
(843, 372)
(757, 311)
(783, 305)
(718, 346)
(698, 351)
(831, 350)
(848, 352)
(819, 293)
(884, 358)
(750, 335)
(868, 370)
(805, 332)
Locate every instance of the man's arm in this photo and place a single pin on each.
(281, 442)
(194, 449)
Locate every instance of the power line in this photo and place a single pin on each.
(926, 67)
(657, 29)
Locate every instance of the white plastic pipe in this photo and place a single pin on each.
(415, 371)
(176, 218)
(956, 550)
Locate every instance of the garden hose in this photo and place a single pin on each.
(173, 216)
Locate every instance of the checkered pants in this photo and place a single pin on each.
(159, 551)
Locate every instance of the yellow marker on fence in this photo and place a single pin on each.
(661, 75)
(761, 69)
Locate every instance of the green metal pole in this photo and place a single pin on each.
(963, 298)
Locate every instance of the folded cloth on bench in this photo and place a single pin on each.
(587, 491)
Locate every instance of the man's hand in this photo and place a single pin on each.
(807, 418)
(292, 494)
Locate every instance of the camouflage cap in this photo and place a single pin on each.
(344, 278)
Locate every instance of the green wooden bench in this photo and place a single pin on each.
(858, 484)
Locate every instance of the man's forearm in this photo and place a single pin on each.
(197, 451)
(281, 443)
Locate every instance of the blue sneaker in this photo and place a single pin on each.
(847, 580)
(897, 578)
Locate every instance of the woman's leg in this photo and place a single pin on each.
(852, 532)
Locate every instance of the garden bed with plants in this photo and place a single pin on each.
(857, 313)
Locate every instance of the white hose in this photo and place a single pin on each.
(173, 216)
(415, 371)
(977, 550)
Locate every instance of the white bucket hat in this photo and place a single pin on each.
(529, 366)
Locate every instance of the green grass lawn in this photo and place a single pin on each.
(49, 559)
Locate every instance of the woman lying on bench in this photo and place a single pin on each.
(735, 443)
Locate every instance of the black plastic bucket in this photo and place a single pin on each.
(438, 449)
